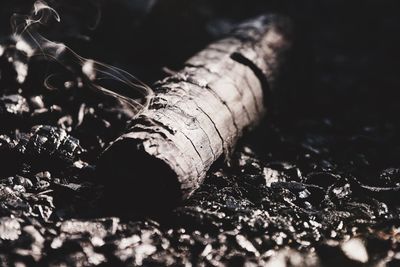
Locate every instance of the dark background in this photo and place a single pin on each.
(345, 58)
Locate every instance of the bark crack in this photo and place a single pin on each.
(216, 129)
(192, 81)
(198, 123)
(195, 148)
(172, 119)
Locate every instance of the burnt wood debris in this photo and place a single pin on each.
(314, 182)
(198, 114)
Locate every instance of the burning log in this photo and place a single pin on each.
(196, 116)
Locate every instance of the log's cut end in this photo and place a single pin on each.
(136, 182)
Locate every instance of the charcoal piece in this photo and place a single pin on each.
(273, 176)
(13, 105)
(36, 102)
(46, 175)
(340, 190)
(246, 245)
(389, 177)
(291, 257)
(10, 228)
(303, 192)
(6, 142)
(47, 142)
(323, 179)
(14, 66)
(326, 250)
(355, 250)
(98, 228)
(42, 185)
(70, 186)
(14, 109)
(25, 182)
(11, 202)
(387, 194)
(248, 162)
(286, 171)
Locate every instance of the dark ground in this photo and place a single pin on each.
(317, 184)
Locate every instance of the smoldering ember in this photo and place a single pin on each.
(199, 133)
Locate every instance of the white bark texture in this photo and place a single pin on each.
(197, 115)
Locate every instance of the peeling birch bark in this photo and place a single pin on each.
(197, 115)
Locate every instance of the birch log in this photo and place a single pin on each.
(197, 115)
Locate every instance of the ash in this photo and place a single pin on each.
(317, 184)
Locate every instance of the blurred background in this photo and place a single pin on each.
(345, 61)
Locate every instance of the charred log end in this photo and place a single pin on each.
(136, 183)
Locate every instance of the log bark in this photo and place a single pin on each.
(197, 115)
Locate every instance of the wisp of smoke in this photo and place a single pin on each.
(91, 73)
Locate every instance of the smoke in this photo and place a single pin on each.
(90, 73)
